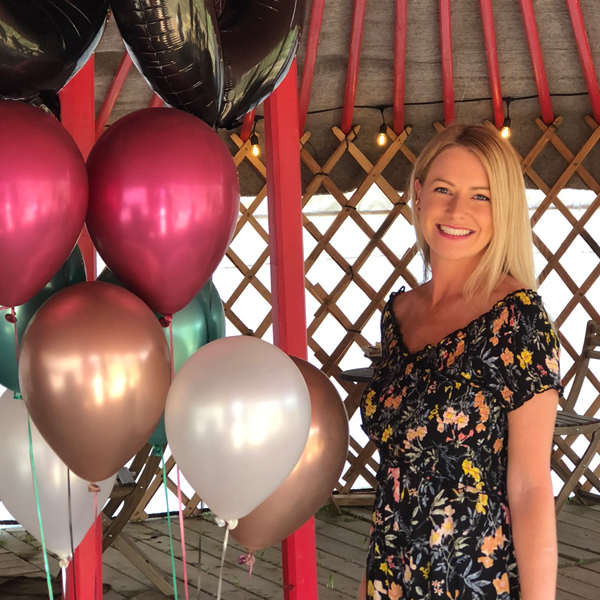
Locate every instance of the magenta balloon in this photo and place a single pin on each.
(43, 199)
(164, 200)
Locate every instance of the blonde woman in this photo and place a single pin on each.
(463, 401)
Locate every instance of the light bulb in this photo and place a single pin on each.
(382, 135)
(505, 131)
(254, 144)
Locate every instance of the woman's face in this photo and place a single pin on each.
(454, 208)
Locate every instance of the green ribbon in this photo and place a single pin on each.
(164, 473)
(39, 512)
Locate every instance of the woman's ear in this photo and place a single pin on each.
(418, 188)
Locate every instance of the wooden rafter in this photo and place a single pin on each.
(585, 56)
(447, 70)
(491, 53)
(399, 64)
(310, 57)
(537, 60)
(358, 19)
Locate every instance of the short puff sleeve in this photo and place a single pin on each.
(531, 358)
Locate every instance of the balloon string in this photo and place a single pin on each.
(172, 351)
(222, 562)
(181, 529)
(164, 472)
(39, 511)
(96, 541)
(71, 529)
(14, 322)
(200, 550)
(63, 571)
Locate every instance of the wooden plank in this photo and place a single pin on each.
(580, 588)
(268, 562)
(579, 537)
(583, 575)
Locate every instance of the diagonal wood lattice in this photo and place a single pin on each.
(358, 328)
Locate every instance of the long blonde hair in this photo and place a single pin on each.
(510, 251)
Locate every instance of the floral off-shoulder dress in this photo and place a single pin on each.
(441, 521)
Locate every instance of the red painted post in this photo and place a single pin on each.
(284, 191)
(78, 116)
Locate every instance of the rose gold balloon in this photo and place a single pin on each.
(311, 482)
(94, 373)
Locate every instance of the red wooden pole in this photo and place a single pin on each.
(399, 64)
(247, 125)
(114, 90)
(78, 116)
(284, 191)
(308, 70)
(447, 73)
(491, 52)
(358, 19)
(535, 50)
(585, 56)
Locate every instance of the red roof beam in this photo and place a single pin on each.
(585, 56)
(310, 57)
(537, 60)
(491, 53)
(247, 125)
(156, 102)
(399, 65)
(447, 73)
(358, 18)
(113, 93)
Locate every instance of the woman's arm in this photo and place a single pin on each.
(530, 495)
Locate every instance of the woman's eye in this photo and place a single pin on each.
(482, 197)
(442, 190)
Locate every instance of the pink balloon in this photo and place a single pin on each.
(43, 199)
(164, 200)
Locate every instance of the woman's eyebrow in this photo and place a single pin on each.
(482, 187)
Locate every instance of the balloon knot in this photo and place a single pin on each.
(10, 317)
(17, 396)
(64, 563)
(246, 559)
(93, 487)
(165, 320)
(157, 450)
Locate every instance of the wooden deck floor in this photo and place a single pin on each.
(341, 550)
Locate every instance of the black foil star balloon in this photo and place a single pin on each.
(216, 59)
(44, 43)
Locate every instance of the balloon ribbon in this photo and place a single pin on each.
(164, 473)
(12, 318)
(167, 320)
(200, 550)
(39, 511)
(182, 533)
(70, 540)
(223, 560)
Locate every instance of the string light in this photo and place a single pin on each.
(254, 144)
(382, 137)
(505, 131)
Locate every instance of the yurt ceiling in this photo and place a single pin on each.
(423, 91)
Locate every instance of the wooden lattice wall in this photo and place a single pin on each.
(325, 298)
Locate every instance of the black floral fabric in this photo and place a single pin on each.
(441, 520)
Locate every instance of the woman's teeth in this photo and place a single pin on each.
(453, 231)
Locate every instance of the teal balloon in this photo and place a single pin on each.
(200, 322)
(73, 271)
